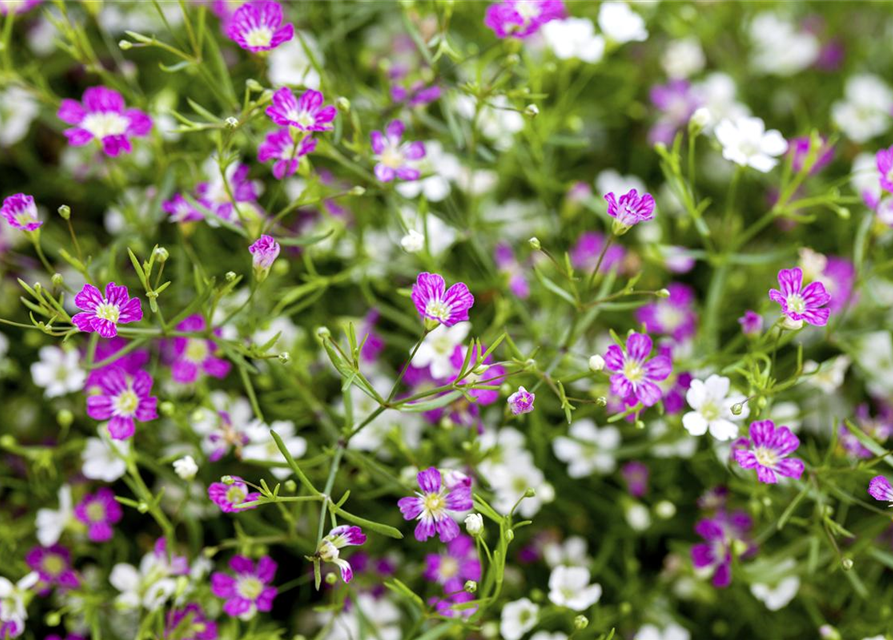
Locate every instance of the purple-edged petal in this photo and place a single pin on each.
(614, 358)
(429, 480)
(424, 529)
(790, 467)
(121, 428)
(649, 394)
(410, 507)
(447, 529)
(658, 368)
(395, 130)
(414, 151)
(383, 173)
(638, 346)
(765, 474)
(790, 280)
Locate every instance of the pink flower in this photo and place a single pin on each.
(256, 26)
(246, 592)
(393, 155)
(329, 549)
(436, 303)
(103, 116)
(180, 210)
(751, 323)
(195, 355)
(635, 374)
(521, 18)
(521, 401)
(799, 149)
(635, 474)
(286, 150)
(99, 511)
(673, 316)
(305, 113)
(17, 7)
(121, 400)
(53, 565)
(879, 488)
(431, 505)
(264, 252)
(130, 362)
(103, 314)
(767, 451)
(190, 623)
(227, 496)
(20, 212)
(630, 210)
(798, 302)
(215, 196)
(884, 160)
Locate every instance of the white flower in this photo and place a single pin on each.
(437, 349)
(865, 110)
(17, 110)
(746, 142)
(781, 48)
(412, 242)
(569, 587)
(371, 617)
(374, 435)
(440, 167)
(149, 587)
(829, 375)
(289, 63)
(713, 408)
(262, 447)
(512, 479)
(572, 552)
(672, 631)
(498, 120)
(574, 38)
(779, 596)
(439, 234)
(864, 177)
(620, 23)
(186, 467)
(50, 523)
(588, 449)
(596, 363)
(717, 95)
(610, 180)
(518, 618)
(222, 427)
(58, 372)
(637, 516)
(104, 458)
(683, 58)
(474, 524)
(12, 598)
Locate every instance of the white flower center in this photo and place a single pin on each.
(449, 567)
(710, 411)
(126, 403)
(392, 157)
(259, 37)
(105, 123)
(108, 311)
(434, 503)
(796, 303)
(303, 118)
(235, 495)
(196, 351)
(633, 371)
(438, 309)
(670, 317)
(527, 10)
(328, 552)
(766, 457)
(249, 587)
(95, 511)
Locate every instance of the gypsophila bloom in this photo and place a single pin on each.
(50, 523)
(257, 26)
(621, 24)
(58, 372)
(99, 511)
(264, 252)
(53, 565)
(192, 356)
(329, 549)
(746, 142)
(712, 406)
(190, 623)
(104, 458)
(569, 587)
(673, 316)
(799, 302)
(286, 150)
(634, 374)
(20, 212)
(393, 156)
(521, 18)
(305, 113)
(180, 210)
(574, 38)
(437, 304)
(103, 314)
(879, 488)
(227, 496)
(247, 592)
(751, 323)
(121, 400)
(185, 467)
(518, 618)
(431, 505)
(884, 162)
(474, 524)
(630, 210)
(438, 347)
(12, 604)
(521, 401)
(103, 116)
(587, 449)
(767, 451)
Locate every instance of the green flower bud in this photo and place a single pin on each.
(581, 622)
(535, 243)
(65, 211)
(58, 280)
(65, 418)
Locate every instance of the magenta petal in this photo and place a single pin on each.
(78, 137)
(99, 407)
(429, 480)
(649, 394)
(384, 174)
(223, 585)
(638, 346)
(424, 530)
(71, 111)
(447, 529)
(410, 507)
(121, 428)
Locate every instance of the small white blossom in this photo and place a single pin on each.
(289, 63)
(18, 108)
(829, 375)
(412, 242)
(518, 618)
(104, 458)
(186, 467)
(683, 58)
(713, 408)
(574, 38)
(746, 142)
(572, 552)
(620, 23)
(437, 349)
(262, 447)
(569, 587)
(58, 372)
(12, 598)
(474, 524)
(51, 523)
(672, 631)
(864, 113)
(778, 596)
(588, 449)
(780, 48)
(637, 516)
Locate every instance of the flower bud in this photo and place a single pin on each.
(530, 493)
(186, 467)
(331, 578)
(230, 276)
(284, 357)
(162, 254)
(699, 120)
(227, 480)
(65, 418)
(166, 408)
(58, 280)
(737, 409)
(531, 111)
(291, 486)
(601, 401)
(357, 191)
(471, 586)
(474, 524)
(663, 293)
(264, 252)
(231, 122)
(125, 45)
(323, 333)
(596, 363)
(65, 212)
(142, 506)
(665, 509)
(509, 535)
(253, 85)
(791, 325)
(846, 564)
(343, 104)
(581, 622)
(535, 243)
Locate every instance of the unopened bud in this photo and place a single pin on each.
(471, 586)
(65, 211)
(125, 45)
(699, 119)
(412, 242)
(186, 467)
(38, 288)
(343, 104)
(162, 254)
(663, 293)
(231, 122)
(535, 243)
(509, 535)
(166, 408)
(357, 191)
(531, 111)
(230, 276)
(791, 325)
(284, 357)
(601, 401)
(846, 564)
(227, 480)
(581, 622)
(737, 408)
(596, 363)
(480, 370)
(253, 85)
(323, 333)
(474, 524)
(665, 509)
(142, 507)
(53, 619)
(331, 578)
(640, 425)
(58, 280)
(530, 493)
(65, 418)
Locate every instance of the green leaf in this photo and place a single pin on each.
(377, 527)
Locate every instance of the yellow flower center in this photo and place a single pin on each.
(126, 403)
(259, 37)
(108, 311)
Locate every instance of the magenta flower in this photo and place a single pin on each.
(103, 116)
(53, 565)
(884, 160)
(103, 314)
(17, 7)
(20, 212)
(798, 302)
(635, 374)
(257, 26)
(714, 552)
(286, 150)
(508, 265)
(99, 511)
(453, 567)
(190, 623)
(196, 355)
(521, 18)
(417, 95)
(227, 496)
(767, 451)
(180, 210)
(635, 474)
(214, 195)
(589, 246)
(121, 399)
(130, 362)
(393, 155)
(264, 252)
(373, 343)
(799, 149)
(438, 304)
(676, 100)
(879, 488)
(431, 505)
(246, 592)
(521, 401)
(305, 113)
(673, 316)
(630, 210)
(879, 428)
(751, 323)
(329, 549)
(839, 278)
